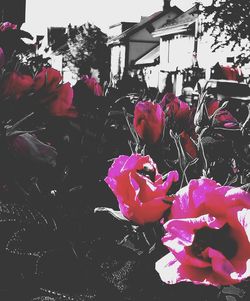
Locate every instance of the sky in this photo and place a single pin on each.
(102, 13)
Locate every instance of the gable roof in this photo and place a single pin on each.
(150, 58)
(143, 23)
(179, 24)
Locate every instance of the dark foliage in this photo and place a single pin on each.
(230, 22)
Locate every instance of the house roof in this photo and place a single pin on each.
(144, 21)
(122, 23)
(150, 57)
(178, 24)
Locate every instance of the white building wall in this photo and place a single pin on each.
(117, 59)
(180, 54)
(175, 54)
(152, 76)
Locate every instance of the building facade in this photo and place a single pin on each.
(186, 51)
(129, 45)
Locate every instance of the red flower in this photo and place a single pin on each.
(58, 97)
(208, 235)
(175, 108)
(48, 78)
(16, 85)
(93, 85)
(188, 145)
(62, 104)
(231, 73)
(223, 118)
(139, 188)
(149, 121)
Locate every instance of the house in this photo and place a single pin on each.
(149, 64)
(186, 51)
(129, 42)
(178, 48)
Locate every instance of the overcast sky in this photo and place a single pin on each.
(103, 13)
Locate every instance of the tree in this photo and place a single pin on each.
(87, 43)
(230, 20)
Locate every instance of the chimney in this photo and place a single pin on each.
(166, 4)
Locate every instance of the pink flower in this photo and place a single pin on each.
(139, 188)
(16, 85)
(208, 235)
(149, 121)
(7, 25)
(93, 85)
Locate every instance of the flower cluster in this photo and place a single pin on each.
(207, 231)
(46, 87)
(51, 132)
(206, 227)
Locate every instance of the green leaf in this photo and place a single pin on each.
(115, 213)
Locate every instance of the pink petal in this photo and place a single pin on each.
(172, 176)
(189, 201)
(117, 165)
(171, 271)
(180, 234)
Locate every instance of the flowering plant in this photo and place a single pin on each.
(205, 224)
(171, 176)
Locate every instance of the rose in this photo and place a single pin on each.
(223, 118)
(220, 117)
(188, 144)
(208, 235)
(93, 85)
(57, 96)
(48, 78)
(177, 110)
(231, 73)
(16, 85)
(139, 188)
(62, 103)
(149, 121)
